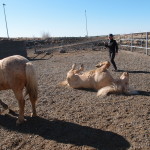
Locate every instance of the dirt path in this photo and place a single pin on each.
(76, 119)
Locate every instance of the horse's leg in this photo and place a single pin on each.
(80, 69)
(33, 103)
(21, 103)
(73, 66)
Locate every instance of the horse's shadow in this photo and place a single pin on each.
(87, 90)
(138, 92)
(67, 132)
(146, 72)
(143, 93)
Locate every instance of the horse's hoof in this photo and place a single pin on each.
(82, 65)
(33, 114)
(19, 122)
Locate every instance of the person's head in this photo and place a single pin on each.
(110, 36)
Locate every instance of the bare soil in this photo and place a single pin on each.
(75, 119)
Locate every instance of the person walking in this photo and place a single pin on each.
(113, 49)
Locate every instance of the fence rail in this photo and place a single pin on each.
(135, 40)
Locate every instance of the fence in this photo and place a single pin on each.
(135, 41)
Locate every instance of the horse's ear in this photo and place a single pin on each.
(126, 74)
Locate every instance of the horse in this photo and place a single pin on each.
(17, 73)
(98, 79)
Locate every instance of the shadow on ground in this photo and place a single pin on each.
(143, 93)
(38, 57)
(138, 92)
(133, 71)
(67, 132)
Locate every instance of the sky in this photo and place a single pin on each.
(67, 18)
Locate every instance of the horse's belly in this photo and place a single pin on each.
(102, 81)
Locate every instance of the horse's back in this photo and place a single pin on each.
(15, 59)
(14, 62)
(13, 70)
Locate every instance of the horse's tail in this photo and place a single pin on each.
(31, 85)
(106, 90)
(63, 83)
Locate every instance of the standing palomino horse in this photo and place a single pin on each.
(16, 72)
(99, 79)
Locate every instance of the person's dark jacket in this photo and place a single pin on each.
(112, 46)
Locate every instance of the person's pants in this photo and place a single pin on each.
(112, 57)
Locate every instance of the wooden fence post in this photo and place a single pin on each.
(131, 42)
(146, 43)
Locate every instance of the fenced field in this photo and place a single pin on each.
(134, 42)
(75, 119)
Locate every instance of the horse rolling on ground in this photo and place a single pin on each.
(99, 79)
(16, 72)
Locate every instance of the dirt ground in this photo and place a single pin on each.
(74, 119)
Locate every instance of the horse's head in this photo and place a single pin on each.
(124, 76)
(105, 63)
(125, 81)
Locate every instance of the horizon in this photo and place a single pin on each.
(67, 18)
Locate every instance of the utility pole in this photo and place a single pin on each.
(6, 20)
(86, 24)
